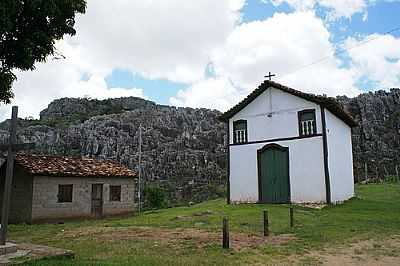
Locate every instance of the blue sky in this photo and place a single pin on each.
(382, 17)
(211, 53)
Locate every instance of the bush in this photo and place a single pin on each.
(391, 179)
(154, 197)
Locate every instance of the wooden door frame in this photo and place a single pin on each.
(259, 152)
(102, 199)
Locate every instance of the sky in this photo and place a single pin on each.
(211, 54)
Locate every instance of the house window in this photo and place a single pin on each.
(307, 123)
(115, 193)
(64, 193)
(240, 131)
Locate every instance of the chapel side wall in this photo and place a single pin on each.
(340, 158)
(21, 196)
(284, 120)
(45, 190)
(306, 170)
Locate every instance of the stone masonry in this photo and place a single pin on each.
(45, 190)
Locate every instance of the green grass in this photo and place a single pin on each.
(373, 214)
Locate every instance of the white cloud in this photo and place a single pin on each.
(176, 40)
(158, 39)
(336, 8)
(34, 90)
(376, 57)
(280, 44)
(213, 93)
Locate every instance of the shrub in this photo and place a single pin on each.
(154, 197)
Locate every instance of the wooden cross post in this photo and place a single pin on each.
(12, 147)
(269, 76)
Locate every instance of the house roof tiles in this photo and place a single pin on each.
(66, 166)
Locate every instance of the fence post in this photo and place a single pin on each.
(397, 173)
(365, 172)
(225, 233)
(291, 216)
(266, 223)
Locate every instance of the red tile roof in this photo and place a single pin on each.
(67, 166)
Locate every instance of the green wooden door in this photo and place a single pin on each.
(273, 163)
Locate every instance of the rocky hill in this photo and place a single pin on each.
(183, 148)
(376, 141)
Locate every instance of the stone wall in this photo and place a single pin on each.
(21, 196)
(45, 190)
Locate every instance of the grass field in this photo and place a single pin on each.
(191, 235)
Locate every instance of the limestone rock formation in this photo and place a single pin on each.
(376, 140)
(184, 148)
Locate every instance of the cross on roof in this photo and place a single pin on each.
(12, 147)
(269, 76)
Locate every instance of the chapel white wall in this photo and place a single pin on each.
(284, 121)
(306, 170)
(340, 158)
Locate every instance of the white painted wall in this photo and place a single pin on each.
(306, 170)
(340, 158)
(284, 121)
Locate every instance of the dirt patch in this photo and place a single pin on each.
(199, 238)
(317, 206)
(365, 253)
(29, 252)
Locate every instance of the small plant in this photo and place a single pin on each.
(391, 179)
(155, 197)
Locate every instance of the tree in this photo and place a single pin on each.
(28, 31)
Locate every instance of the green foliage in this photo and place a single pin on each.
(28, 30)
(218, 190)
(155, 197)
(391, 179)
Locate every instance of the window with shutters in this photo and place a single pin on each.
(115, 193)
(240, 131)
(307, 123)
(65, 193)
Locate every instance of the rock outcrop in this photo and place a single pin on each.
(376, 140)
(184, 148)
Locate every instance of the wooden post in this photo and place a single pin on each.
(9, 175)
(266, 223)
(291, 216)
(397, 173)
(140, 170)
(365, 172)
(225, 233)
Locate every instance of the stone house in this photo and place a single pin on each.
(57, 188)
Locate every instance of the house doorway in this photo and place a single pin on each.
(273, 174)
(97, 200)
